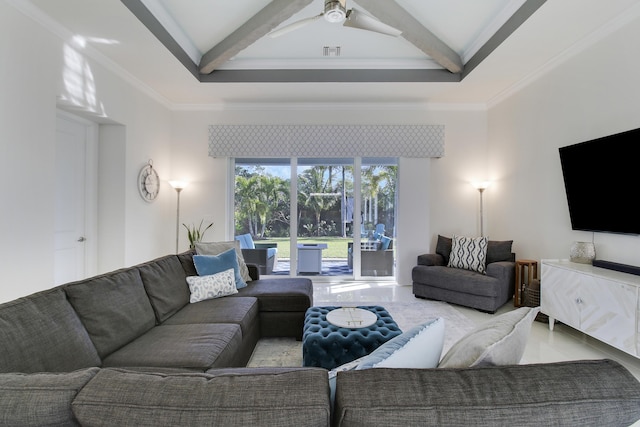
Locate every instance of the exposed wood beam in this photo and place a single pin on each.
(522, 14)
(146, 17)
(391, 13)
(258, 26)
(331, 76)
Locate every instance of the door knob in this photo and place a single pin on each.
(81, 239)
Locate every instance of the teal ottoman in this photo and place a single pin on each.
(328, 346)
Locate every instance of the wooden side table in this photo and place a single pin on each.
(531, 268)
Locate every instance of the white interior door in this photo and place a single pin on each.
(70, 205)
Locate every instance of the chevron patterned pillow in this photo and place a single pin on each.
(469, 253)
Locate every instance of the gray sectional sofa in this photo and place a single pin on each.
(127, 348)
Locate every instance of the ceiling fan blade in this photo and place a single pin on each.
(362, 21)
(294, 26)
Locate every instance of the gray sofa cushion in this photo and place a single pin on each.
(164, 280)
(289, 398)
(288, 294)
(456, 279)
(113, 307)
(191, 347)
(241, 311)
(41, 332)
(581, 393)
(42, 399)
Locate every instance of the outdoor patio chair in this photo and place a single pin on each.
(262, 254)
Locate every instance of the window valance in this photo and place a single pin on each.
(326, 140)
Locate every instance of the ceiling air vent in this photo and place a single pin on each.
(331, 51)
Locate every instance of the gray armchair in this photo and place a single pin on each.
(262, 254)
(374, 262)
(432, 278)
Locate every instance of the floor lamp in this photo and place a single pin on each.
(178, 186)
(481, 186)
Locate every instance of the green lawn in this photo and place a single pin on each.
(336, 246)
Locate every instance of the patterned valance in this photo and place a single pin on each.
(326, 140)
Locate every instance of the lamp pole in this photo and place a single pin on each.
(481, 186)
(481, 190)
(178, 186)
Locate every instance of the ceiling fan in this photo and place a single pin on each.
(335, 11)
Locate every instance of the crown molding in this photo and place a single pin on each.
(615, 24)
(331, 106)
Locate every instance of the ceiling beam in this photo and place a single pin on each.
(391, 13)
(331, 76)
(258, 26)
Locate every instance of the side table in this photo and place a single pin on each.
(531, 268)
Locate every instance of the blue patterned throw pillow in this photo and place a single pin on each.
(469, 253)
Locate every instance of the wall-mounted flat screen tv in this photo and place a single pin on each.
(601, 180)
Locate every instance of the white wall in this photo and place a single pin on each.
(39, 72)
(436, 195)
(594, 93)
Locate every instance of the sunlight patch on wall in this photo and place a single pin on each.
(78, 80)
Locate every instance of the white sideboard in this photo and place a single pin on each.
(601, 303)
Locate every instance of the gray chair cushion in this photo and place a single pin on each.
(499, 251)
(288, 398)
(41, 332)
(164, 280)
(443, 247)
(191, 347)
(42, 399)
(581, 393)
(456, 279)
(113, 307)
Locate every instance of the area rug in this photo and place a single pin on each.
(288, 352)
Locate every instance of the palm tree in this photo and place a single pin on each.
(315, 191)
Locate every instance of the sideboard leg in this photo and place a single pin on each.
(552, 322)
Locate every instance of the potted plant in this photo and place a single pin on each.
(195, 234)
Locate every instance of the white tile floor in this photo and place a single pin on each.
(544, 346)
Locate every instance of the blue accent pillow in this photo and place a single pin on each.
(207, 265)
(386, 241)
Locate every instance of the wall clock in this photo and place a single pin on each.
(148, 182)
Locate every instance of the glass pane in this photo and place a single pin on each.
(378, 202)
(325, 189)
(262, 213)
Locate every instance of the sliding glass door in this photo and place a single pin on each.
(308, 208)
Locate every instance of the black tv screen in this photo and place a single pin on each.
(601, 180)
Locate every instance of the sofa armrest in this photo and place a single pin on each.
(599, 392)
(502, 270)
(430, 259)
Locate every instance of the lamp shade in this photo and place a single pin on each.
(178, 185)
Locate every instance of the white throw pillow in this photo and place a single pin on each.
(419, 348)
(212, 286)
(469, 253)
(499, 341)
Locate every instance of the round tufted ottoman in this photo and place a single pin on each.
(328, 346)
